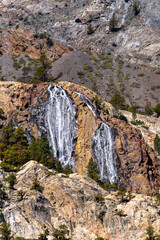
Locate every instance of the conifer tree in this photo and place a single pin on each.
(113, 23)
(5, 231)
(92, 170)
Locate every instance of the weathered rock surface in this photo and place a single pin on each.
(138, 167)
(70, 200)
(136, 35)
(152, 123)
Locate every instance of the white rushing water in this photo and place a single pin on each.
(89, 103)
(103, 147)
(61, 124)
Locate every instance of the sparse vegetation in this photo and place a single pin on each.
(157, 109)
(151, 234)
(92, 170)
(36, 186)
(113, 23)
(98, 101)
(41, 73)
(120, 213)
(98, 198)
(90, 30)
(140, 74)
(43, 236)
(11, 180)
(61, 233)
(137, 122)
(101, 215)
(157, 144)
(101, 238)
(5, 231)
(1, 113)
(135, 9)
(118, 101)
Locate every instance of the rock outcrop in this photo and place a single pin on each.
(135, 31)
(69, 200)
(138, 167)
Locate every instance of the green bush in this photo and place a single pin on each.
(5, 231)
(101, 215)
(1, 112)
(36, 186)
(49, 42)
(11, 180)
(137, 122)
(98, 198)
(60, 234)
(151, 234)
(157, 109)
(97, 100)
(120, 213)
(148, 110)
(118, 101)
(43, 236)
(90, 30)
(20, 195)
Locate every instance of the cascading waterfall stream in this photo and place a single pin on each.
(103, 146)
(89, 103)
(61, 123)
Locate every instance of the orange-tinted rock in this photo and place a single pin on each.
(137, 162)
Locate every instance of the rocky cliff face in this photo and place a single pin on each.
(70, 201)
(125, 60)
(137, 32)
(91, 132)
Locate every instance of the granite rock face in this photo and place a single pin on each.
(136, 163)
(136, 33)
(70, 201)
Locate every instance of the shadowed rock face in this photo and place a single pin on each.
(70, 201)
(120, 156)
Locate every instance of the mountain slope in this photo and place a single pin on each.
(69, 200)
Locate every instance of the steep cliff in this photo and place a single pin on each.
(78, 130)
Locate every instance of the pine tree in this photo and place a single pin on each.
(92, 170)
(157, 144)
(90, 29)
(5, 231)
(113, 23)
(41, 73)
(135, 9)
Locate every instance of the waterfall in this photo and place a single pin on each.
(89, 103)
(103, 147)
(60, 122)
